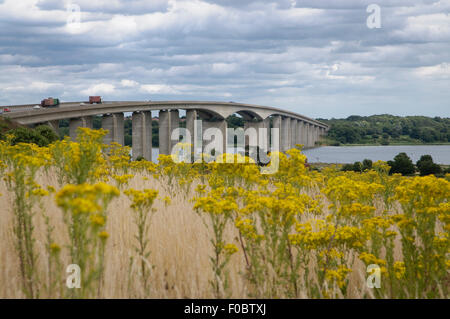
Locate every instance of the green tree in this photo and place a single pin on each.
(358, 167)
(366, 164)
(426, 166)
(26, 135)
(347, 168)
(402, 164)
(47, 132)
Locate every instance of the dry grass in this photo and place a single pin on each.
(179, 242)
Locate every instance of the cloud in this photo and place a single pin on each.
(315, 57)
(440, 71)
(129, 83)
(158, 89)
(102, 88)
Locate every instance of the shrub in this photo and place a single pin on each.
(47, 132)
(358, 166)
(26, 135)
(42, 135)
(402, 164)
(426, 166)
(366, 164)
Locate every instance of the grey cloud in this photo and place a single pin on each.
(311, 56)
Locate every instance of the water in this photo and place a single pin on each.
(351, 154)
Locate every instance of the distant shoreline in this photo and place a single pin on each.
(390, 144)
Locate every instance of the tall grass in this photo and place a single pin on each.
(180, 246)
(214, 230)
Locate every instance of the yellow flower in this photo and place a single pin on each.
(97, 220)
(399, 269)
(103, 235)
(55, 248)
(167, 200)
(230, 249)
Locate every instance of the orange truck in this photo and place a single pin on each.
(95, 99)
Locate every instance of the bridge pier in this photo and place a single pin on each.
(142, 134)
(267, 122)
(317, 135)
(285, 134)
(311, 135)
(168, 122)
(191, 118)
(299, 132)
(54, 125)
(114, 123)
(314, 135)
(261, 139)
(294, 133)
(75, 123)
(276, 124)
(307, 134)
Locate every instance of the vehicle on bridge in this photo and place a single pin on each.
(95, 100)
(4, 110)
(50, 102)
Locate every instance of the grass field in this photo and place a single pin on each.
(168, 230)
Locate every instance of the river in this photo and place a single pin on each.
(351, 154)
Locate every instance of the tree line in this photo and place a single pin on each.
(385, 129)
(402, 164)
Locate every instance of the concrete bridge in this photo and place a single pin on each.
(293, 128)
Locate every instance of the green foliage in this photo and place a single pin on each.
(358, 166)
(426, 166)
(128, 134)
(402, 164)
(367, 164)
(155, 133)
(41, 136)
(234, 121)
(347, 168)
(47, 132)
(386, 129)
(128, 139)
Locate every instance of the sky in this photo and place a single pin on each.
(319, 58)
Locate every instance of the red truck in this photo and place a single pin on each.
(50, 102)
(95, 99)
